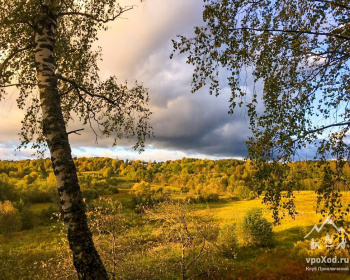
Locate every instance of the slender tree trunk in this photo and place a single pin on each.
(85, 257)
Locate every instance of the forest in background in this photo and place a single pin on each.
(139, 183)
(206, 180)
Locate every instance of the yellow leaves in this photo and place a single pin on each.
(10, 220)
(142, 188)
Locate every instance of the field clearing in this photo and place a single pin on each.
(24, 254)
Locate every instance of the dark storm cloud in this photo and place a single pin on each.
(138, 48)
(199, 123)
(193, 123)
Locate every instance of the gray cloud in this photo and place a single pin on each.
(138, 48)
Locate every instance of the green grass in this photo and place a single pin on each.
(22, 254)
(39, 207)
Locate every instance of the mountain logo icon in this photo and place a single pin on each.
(327, 221)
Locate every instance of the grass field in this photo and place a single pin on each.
(37, 253)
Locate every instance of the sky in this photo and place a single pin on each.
(138, 47)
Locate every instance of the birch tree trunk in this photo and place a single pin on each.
(85, 257)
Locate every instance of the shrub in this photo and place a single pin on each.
(242, 192)
(35, 195)
(7, 188)
(205, 193)
(114, 190)
(107, 172)
(227, 240)
(109, 223)
(139, 203)
(203, 198)
(142, 188)
(112, 181)
(230, 189)
(10, 219)
(28, 218)
(47, 214)
(257, 230)
(209, 197)
(99, 185)
(90, 194)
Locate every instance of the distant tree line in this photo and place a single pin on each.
(33, 181)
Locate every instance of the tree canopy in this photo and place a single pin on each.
(297, 52)
(110, 108)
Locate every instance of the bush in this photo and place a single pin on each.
(227, 240)
(189, 238)
(34, 195)
(47, 214)
(28, 218)
(114, 190)
(203, 198)
(142, 188)
(242, 192)
(107, 172)
(10, 219)
(209, 197)
(112, 181)
(99, 185)
(90, 194)
(7, 188)
(140, 203)
(257, 230)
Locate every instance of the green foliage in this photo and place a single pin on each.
(243, 192)
(89, 194)
(205, 197)
(113, 190)
(112, 181)
(10, 219)
(184, 189)
(120, 108)
(145, 197)
(297, 55)
(28, 218)
(282, 42)
(227, 241)
(142, 188)
(107, 172)
(256, 229)
(48, 213)
(202, 185)
(7, 188)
